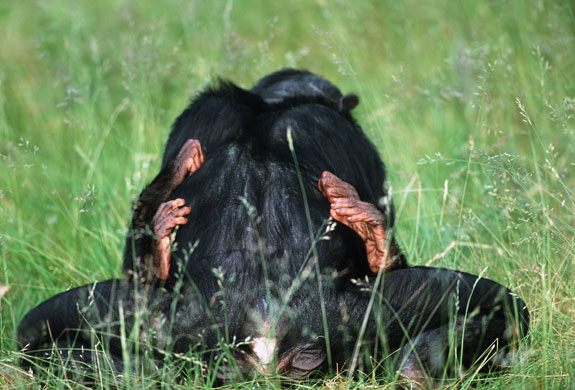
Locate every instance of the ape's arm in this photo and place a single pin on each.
(147, 253)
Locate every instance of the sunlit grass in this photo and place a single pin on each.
(472, 105)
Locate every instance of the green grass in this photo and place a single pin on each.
(471, 103)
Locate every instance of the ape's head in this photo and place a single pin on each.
(289, 83)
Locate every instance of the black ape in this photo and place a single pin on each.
(256, 259)
(248, 161)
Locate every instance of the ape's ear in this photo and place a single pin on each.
(348, 102)
(301, 361)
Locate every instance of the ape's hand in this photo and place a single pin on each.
(189, 159)
(362, 217)
(170, 214)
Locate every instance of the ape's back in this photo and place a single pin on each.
(247, 205)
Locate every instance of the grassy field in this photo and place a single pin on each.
(471, 103)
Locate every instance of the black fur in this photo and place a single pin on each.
(248, 161)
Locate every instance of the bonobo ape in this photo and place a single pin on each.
(241, 137)
(231, 252)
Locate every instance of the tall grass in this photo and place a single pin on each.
(472, 105)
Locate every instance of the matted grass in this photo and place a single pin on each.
(472, 105)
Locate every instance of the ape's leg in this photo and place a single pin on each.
(140, 244)
(451, 349)
(362, 217)
(440, 320)
(100, 325)
(101, 318)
